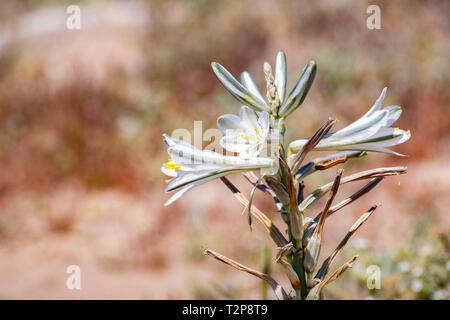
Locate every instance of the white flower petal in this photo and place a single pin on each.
(371, 132)
(177, 195)
(200, 176)
(169, 172)
(301, 88)
(281, 75)
(367, 123)
(377, 104)
(185, 178)
(191, 155)
(368, 147)
(249, 133)
(245, 150)
(394, 113)
(228, 122)
(248, 118)
(264, 122)
(386, 137)
(170, 142)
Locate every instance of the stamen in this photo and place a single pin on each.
(243, 136)
(172, 166)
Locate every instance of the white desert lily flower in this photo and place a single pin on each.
(247, 134)
(371, 132)
(190, 167)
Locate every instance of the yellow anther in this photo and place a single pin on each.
(243, 136)
(172, 166)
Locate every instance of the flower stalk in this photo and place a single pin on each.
(257, 137)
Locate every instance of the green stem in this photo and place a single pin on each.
(265, 257)
(279, 127)
(300, 270)
(296, 262)
(297, 265)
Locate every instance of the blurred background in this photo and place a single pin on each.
(81, 118)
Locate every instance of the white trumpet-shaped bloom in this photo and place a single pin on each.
(371, 132)
(190, 167)
(247, 134)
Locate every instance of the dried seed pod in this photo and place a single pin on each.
(314, 293)
(296, 160)
(295, 218)
(312, 223)
(274, 232)
(313, 247)
(276, 287)
(326, 264)
(312, 252)
(368, 174)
